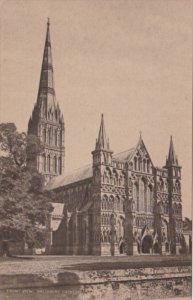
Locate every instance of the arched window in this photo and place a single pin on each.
(144, 165)
(142, 195)
(85, 230)
(135, 163)
(59, 165)
(136, 195)
(111, 203)
(131, 165)
(56, 137)
(48, 163)
(102, 204)
(55, 164)
(139, 164)
(49, 136)
(59, 139)
(105, 199)
(148, 166)
(44, 135)
(179, 209)
(102, 220)
(167, 208)
(177, 187)
(105, 236)
(161, 185)
(44, 162)
(118, 203)
(174, 209)
(124, 206)
(149, 199)
(108, 204)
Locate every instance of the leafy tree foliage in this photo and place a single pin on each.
(24, 205)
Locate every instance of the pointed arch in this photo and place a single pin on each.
(144, 165)
(136, 195)
(55, 164)
(139, 163)
(56, 137)
(44, 135)
(117, 200)
(135, 163)
(48, 163)
(148, 166)
(44, 162)
(142, 191)
(149, 198)
(111, 202)
(59, 165)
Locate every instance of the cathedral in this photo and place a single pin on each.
(119, 204)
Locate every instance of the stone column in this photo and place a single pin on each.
(163, 248)
(86, 250)
(135, 248)
(177, 248)
(76, 247)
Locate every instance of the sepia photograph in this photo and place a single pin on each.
(95, 149)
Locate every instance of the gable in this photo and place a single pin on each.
(140, 159)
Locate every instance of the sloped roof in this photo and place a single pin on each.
(86, 206)
(125, 155)
(74, 176)
(87, 171)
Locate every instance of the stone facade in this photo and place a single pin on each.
(120, 204)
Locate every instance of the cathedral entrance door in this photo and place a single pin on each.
(122, 247)
(155, 248)
(147, 244)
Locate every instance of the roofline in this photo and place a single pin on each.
(71, 184)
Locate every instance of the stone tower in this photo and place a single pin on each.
(174, 197)
(47, 120)
(102, 159)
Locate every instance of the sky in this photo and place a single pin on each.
(130, 60)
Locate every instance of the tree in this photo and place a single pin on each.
(24, 205)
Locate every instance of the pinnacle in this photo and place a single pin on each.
(172, 159)
(102, 142)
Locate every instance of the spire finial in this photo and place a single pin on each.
(102, 142)
(140, 134)
(172, 160)
(48, 22)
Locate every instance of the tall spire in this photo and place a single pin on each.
(171, 159)
(46, 91)
(47, 120)
(102, 142)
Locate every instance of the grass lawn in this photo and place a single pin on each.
(38, 264)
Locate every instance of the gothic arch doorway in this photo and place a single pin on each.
(155, 248)
(122, 247)
(147, 244)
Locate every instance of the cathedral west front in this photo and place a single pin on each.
(119, 203)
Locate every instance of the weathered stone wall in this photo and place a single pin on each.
(180, 275)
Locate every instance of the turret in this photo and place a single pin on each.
(174, 197)
(102, 155)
